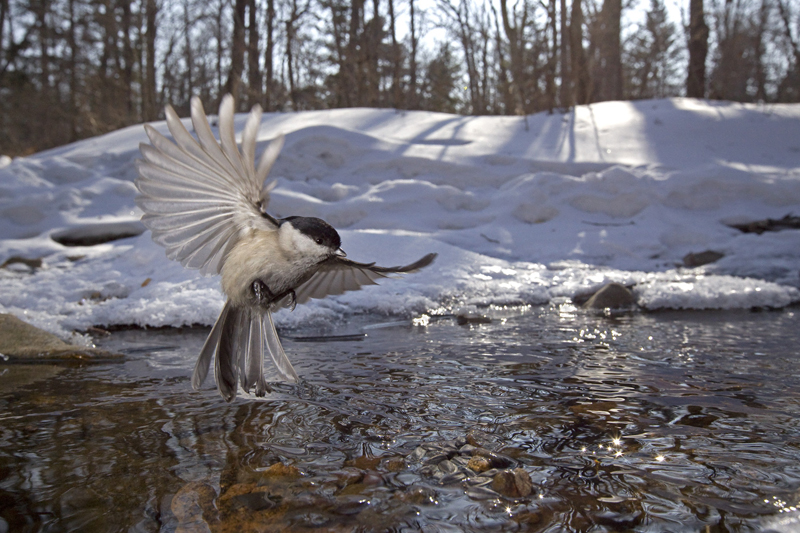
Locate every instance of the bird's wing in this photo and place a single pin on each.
(337, 275)
(198, 196)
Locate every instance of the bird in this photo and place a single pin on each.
(206, 203)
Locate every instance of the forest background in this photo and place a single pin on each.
(72, 69)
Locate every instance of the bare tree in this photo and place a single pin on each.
(578, 62)
(269, 54)
(609, 82)
(149, 108)
(396, 59)
(253, 71)
(698, 50)
(295, 14)
(412, 61)
(237, 49)
(789, 87)
(516, 44)
(565, 90)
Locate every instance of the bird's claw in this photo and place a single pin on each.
(262, 293)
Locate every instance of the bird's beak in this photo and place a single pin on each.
(340, 253)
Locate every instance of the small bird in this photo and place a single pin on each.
(206, 203)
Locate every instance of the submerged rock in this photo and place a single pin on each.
(21, 342)
(611, 296)
(280, 470)
(465, 318)
(479, 464)
(513, 483)
(13, 377)
(419, 495)
(194, 507)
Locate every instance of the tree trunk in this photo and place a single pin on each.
(187, 24)
(290, 62)
(552, 59)
(3, 11)
(342, 88)
(127, 69)
(611, 82)
(149, 90)
(237, 50)
(698, 49)
(220, 44)
(354, 73)
(759, 49)
(395, 60)
(517, 67)
(502, 66)
(44, 39)
(371, 49)
(787, 25)
(73, 72)
(412, 63)
(580, 71)
(268, 59)
(253, 72)
(565, 93)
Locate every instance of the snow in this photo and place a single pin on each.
(519, 214)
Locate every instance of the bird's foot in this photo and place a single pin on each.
(262, 293)
(262, 388)
(293, 296)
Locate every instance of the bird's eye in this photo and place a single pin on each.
(319, 240)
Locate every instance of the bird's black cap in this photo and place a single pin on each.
(316, 228)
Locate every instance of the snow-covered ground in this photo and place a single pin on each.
(617, 191)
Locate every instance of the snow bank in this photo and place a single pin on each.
(618, 191)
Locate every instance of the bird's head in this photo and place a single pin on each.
(311, 237)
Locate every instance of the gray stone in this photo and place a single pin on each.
(448, 467)
(611, 296)
(701, 258)
(514, 484)
(98, 233)
(21, 342)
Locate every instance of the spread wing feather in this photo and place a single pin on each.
(198, 194)
(338, 275)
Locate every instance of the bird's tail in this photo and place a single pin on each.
(238, 339)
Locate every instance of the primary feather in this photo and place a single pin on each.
(198, 196)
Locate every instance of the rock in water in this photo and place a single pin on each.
(513, 483)
(21, 342)
(611, 296)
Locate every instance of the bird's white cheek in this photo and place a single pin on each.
(297, 244)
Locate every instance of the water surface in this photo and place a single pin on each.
(679, 421)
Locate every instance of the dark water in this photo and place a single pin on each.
(649, 422)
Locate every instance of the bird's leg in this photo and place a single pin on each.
(262, 293)
(294, 298)
(262, 388)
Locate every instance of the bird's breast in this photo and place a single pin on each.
(260, 256)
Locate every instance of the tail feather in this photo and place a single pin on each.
(285, 368)
(209, 348)
(226, 369)
(238, 339)
(252, 359)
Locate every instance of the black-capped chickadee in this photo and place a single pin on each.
(206, 204)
